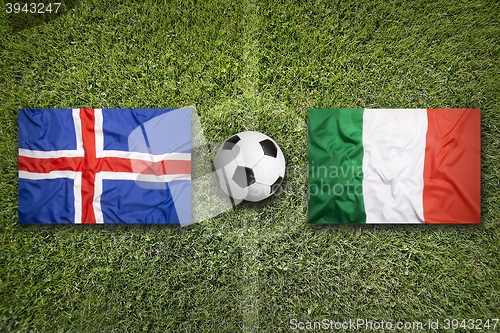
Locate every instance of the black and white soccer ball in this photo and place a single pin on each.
(250, 166)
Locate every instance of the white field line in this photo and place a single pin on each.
(249, 235)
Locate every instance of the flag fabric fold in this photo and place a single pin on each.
(104, 165)
(394, 166)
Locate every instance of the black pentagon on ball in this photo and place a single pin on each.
(269, 148)
(276, 184)
(243, 176)
(229, 144)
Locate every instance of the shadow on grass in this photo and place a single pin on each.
(22, 20)
(424, 228)
(109, 227)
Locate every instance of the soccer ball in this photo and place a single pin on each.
(250, 166)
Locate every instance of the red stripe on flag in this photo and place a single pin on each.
(172, 167)
(168, 167)
(452, 168)
(46, 165)
(89, 164)
(114, 164)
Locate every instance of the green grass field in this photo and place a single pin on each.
(249, 65)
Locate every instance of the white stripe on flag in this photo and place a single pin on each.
(393, 164)
(145, 156)
(77, 188)
(79, 152)
(78, 130)
(99, 218)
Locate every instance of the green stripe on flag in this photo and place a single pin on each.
(336, 166)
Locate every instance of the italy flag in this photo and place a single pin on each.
(394, 166)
